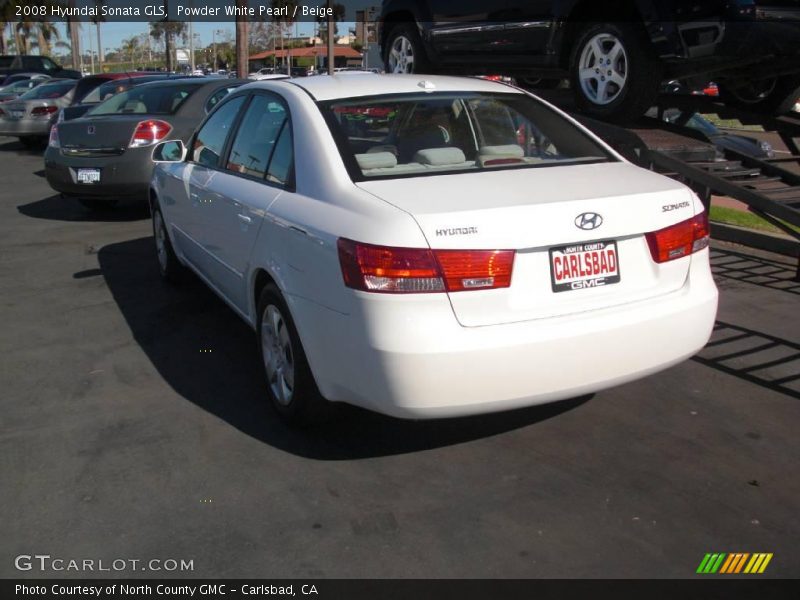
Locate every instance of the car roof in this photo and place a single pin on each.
(196, 81)
(344, 85)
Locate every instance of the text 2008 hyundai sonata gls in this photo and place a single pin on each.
(432, 247)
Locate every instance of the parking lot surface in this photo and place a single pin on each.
(134, 424)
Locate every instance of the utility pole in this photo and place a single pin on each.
(100, 57)
(330, 38)
(191, 45)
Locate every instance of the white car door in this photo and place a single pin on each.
(190, 212)
(256, 169)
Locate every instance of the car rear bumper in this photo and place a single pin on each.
(127, 175)
(391, 357)
(25, 127)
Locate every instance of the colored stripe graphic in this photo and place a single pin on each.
(734, 563)
(711, 563)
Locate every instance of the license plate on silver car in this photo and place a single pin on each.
(88, 175)
(17, 114)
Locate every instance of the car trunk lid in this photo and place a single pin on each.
(547, 215)
(97, 136)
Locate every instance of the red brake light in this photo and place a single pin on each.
(54, 142)
(679, 240)
(149, 132)
(418, 270)
(475, 269)
(41, 111)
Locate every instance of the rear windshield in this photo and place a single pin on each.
(48, 91)
(146, 99)
(412, 135)
(103, 92)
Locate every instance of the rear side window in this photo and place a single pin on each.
(210, 140)
(217, 96)
(257, 137)
(48, 91)
(146, 100)
(281, 166)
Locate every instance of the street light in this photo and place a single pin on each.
(214, 33)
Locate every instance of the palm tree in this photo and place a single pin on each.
(7, 15)
(167, 30)
(46, 32)
(129, 47)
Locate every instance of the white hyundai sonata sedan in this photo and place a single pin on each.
(432, 246)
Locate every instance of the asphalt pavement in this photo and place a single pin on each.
(133, 425)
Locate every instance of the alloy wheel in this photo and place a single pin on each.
(603, 69)
(276, 348)
(401, 55)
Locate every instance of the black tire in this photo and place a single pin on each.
(303, 404)
(635, 77)
(169, 267)
(419, 58)
(537, 83)
(97, 205)
(774, 97)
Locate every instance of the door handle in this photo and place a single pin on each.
(298, 230)
(244, 218)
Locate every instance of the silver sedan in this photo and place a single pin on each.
(28, 117)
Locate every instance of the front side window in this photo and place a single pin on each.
(257, 137)
(425, 134)
(210, 140)
(146, 100)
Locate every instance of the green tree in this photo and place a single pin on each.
(167, 30)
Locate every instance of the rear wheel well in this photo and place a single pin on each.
(400, 16)
(587, 11)
(262, 279)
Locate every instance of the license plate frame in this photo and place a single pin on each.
(16, 115)
(88, 176)
(589, 272)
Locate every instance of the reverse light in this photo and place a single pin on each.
(54, 142)
(679, 240)
(43, 111)
(390, 270)
(149, 132)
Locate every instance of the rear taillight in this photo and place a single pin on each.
(679, 240)
(149, 132)
(54, 142)
(416, 270)
(43, 111)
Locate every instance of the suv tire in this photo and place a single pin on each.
(613, 73)
(404, 52)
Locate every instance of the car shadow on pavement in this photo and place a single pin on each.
(57, 208)
(208, 355)
(17, 146)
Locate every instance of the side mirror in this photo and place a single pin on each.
(172, 151)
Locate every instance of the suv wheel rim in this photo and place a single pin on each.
(276, 348)
(755, 92)
(401, 55)
(161, 242)
(603, 69)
